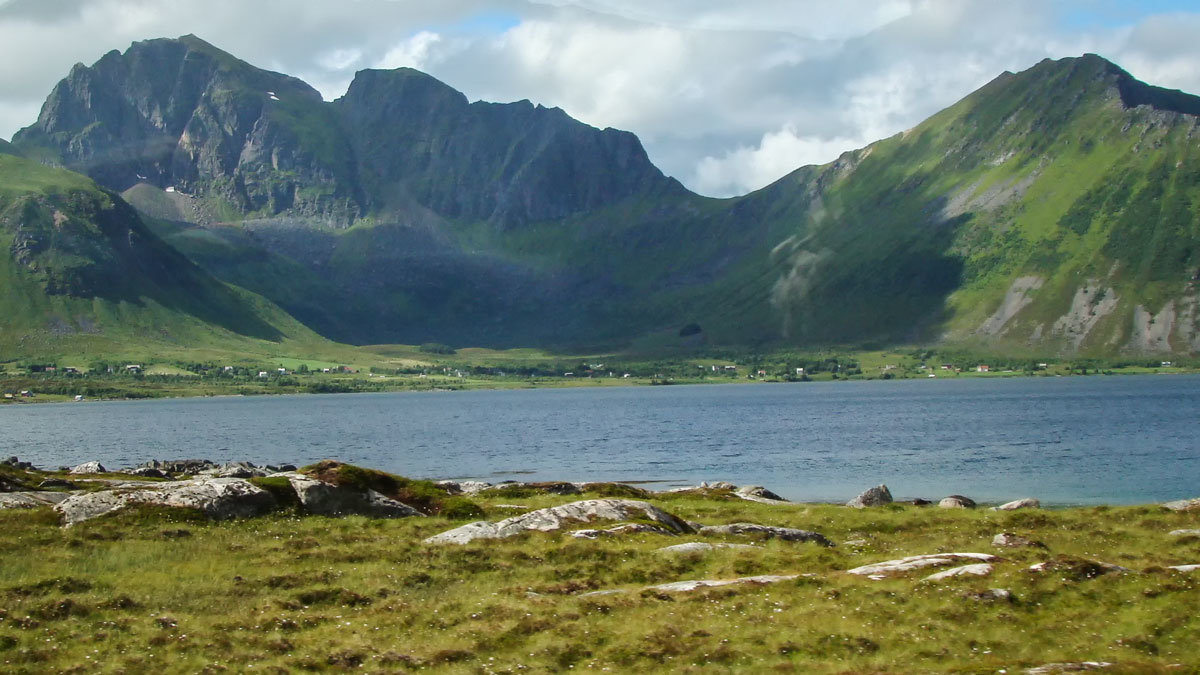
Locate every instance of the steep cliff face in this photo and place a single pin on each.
(508, 164)
(250, 143)
(182, 114)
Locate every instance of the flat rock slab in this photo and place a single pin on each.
(558, 517)
(901, 565)
(30, 500)
(1027, 503)
(89, 467)
(1184, 568)
(684, 586)
(1183, 505)
(1010, 540)
(700, 547)
(218, 498)
(628, 528)
(1077, 667)
(975, 570)
(1185, 533)
(768, 531)
(1078, 567)
(325, 499)
(760, 494)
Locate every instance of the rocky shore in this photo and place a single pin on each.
(496, 565)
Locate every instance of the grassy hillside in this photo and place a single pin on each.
(82, 275)
(1057, 210)
(150, 591)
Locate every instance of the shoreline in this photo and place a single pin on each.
(562, 383)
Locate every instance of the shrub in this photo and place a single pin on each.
(460, 508)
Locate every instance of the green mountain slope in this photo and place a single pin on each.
(1052, 211)
(1057, 210)
(82, 274)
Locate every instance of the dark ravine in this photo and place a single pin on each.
(1053, 211)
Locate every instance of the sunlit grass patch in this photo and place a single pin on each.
(155, 590)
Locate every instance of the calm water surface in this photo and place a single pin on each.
(1075, 440)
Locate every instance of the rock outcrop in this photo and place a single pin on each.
(701, 547)
(1183, 505)
(767, 531)
(30, 500)
(760, 494)
(1026, 503)
(1010, 540)
(558, 517)
(901, 565)
(326, 499)
(973, 570)
(876, 496)
(217, 498)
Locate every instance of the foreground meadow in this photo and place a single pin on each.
(161, 590)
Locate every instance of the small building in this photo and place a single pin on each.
(133, 368)
(262, 373)
(983, 369)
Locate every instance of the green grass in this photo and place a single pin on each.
(163, 591)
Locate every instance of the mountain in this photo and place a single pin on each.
(83, 274)
(1052, 211)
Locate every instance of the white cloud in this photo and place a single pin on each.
(340, 59)
(777, 154)
(411, 53)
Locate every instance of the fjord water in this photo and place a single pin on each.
(1074, 440)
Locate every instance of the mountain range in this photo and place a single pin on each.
(1053, 211)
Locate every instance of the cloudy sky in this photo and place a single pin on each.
(726, 96)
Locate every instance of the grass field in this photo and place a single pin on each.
(167, 592)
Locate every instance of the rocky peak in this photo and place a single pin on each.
(507, 163)
(183, 114)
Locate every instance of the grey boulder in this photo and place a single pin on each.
(89, 467)
(217, 498)
(558, 517)
(956, 502)
(876, 496)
